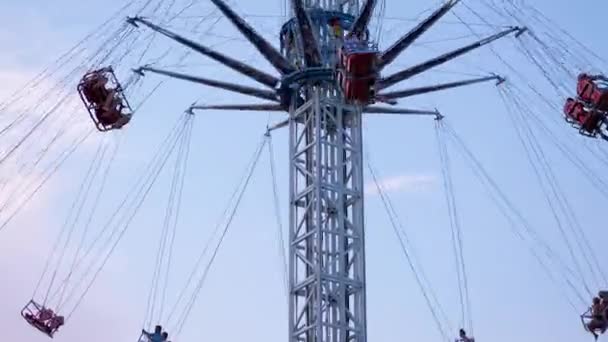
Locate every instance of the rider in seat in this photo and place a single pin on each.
(158, 336)
(358, 67)
(42, 318)
(336, 28)
(462, 337)
(598, 317)
(54, 324)
(104, 101)
(94, 89)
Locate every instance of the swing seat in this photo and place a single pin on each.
(593, 92)
(587, 318)
(143, 338)
(41, 318)
(156, 336)
(359, 58)
(359, 90)
(470, 339)
(104, 99)
(575, 112)
(588, 122)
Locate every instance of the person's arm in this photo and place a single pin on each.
(599, 78)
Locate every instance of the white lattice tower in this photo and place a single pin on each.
(327, 249)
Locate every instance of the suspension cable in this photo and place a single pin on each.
(176, 218)
(88, 221)
(456, 230)
(136, 204)
(154, 165)
(49, 173)
(279, 219)
(168, 232)
(69, 225)
(428, 294)
(508, 209)
(582, 242)
(192, 301)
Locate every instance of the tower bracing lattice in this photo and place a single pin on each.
(327, 250)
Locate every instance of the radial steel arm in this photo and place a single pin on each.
(237, 88)
(362, 21)
(434, 88)
(408, 39)
(241, 67)
(312, 56)
(262, 45)
(420, 68)
(406, 111)
(265, 107)
(277, 125)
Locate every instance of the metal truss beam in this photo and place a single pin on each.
(363, 19)
(408, 39)
(262, 45)
(261, 107)
(256, 74)
(435, 88)
(403, 111)
(420, 68)
(312, 55)
(237, 88)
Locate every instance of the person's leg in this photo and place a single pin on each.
(592, 330)
(594, 325)
(110, 100)
(123, 120)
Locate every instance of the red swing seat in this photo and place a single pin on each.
(358, 71)
(104, 99)
(588, 91)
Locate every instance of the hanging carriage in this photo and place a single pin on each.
(357, 72)
(466, 339)
(104, 99)
(42, 318)
(595, 319)
(157, 336)
(593, 324)
(462, 337)
(590, 122)
(593, 90)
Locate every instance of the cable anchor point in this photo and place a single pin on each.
(520, 31)
(133, 21)
(438, 115)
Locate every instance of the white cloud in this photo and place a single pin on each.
(402, 183)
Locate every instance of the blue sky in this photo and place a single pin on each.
(243, 297)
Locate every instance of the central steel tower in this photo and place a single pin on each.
(327, 235)
(327, 248)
